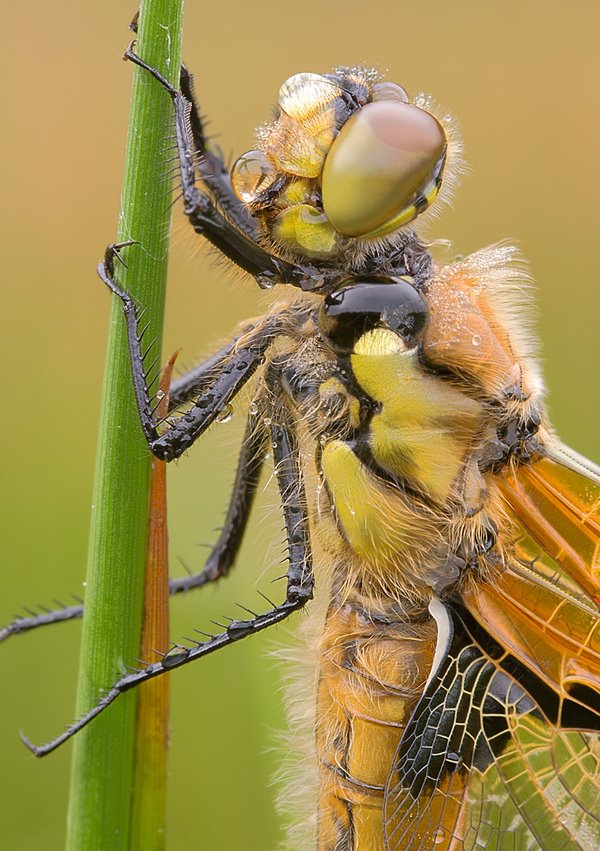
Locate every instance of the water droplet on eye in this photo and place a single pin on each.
(267, 421)
(224, 415)
(253, 409)
(447, 118)
(439, 836)
(476, 339)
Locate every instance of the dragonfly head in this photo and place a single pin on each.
(348, 159)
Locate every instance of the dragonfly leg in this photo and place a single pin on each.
(300, 582)
(199, 377)
(223, 554)
(208, 157)
(210, 164)
(235, 235)
(43, 618)
(234, 372)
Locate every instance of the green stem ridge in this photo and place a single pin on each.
(101, 801)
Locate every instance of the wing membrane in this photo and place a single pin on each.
(557, 500)
(503, 750)
(544, 608)
(481, 766)
(535, 614)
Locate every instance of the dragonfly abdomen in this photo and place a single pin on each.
(372, 659)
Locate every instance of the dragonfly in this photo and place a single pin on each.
(443, 537)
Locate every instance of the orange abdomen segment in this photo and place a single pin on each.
(372, 670)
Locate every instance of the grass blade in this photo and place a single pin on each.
(103, 760)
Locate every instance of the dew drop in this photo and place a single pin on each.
(224, 415)
(422, 100)
(160, 394)
(267, 421)
(476, 339)
(253, 409)
(252, 175)
(176, 656)
(265, 282)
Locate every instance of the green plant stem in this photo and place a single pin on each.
(100, 803)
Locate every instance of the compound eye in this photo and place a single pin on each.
(383, 168)
(357, 308)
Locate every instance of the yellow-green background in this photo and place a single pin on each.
(523, 78)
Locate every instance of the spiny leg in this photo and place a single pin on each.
(200, 377)
(233, 374)
(223, 553)
(300, 580)
(44, 618)
(247, 476)
(238, 239)
(210, 164)
(196, 380)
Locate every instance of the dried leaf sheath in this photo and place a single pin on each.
(152, 733)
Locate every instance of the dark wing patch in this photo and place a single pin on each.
(480, 766)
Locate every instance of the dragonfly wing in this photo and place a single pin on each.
(481, 766)
(502, 751)
(544, 609)
(557, 499)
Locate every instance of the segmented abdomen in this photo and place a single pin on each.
(372, 665)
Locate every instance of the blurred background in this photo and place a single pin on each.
(521, 77)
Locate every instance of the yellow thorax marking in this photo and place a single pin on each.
(424, 428)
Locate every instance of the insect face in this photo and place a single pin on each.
(347, 158)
